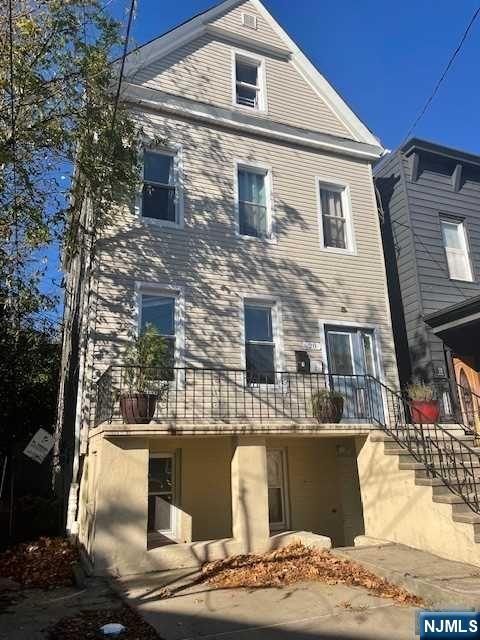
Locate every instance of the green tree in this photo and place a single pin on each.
(64, 141)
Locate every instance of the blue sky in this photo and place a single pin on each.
(384, 58)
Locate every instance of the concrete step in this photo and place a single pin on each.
(465, 457)
(422, 474)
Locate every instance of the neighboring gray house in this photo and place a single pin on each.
(431, 205)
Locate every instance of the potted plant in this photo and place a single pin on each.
(327, 406)
(424, 407)
(145, 375)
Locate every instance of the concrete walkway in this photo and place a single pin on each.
(303, 611)
(299, 612)
(442, 583)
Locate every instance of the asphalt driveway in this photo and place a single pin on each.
(298, 612)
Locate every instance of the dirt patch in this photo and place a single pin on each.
(298, 563)
(86, 625)
(44, 564)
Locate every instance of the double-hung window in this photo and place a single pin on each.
(259, 343)
(253, 196)
(335, 221)
(159, 311)
(248, 82)
(456, 249)
(160, 196)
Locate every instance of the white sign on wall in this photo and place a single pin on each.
(312, 346)
(39, 446)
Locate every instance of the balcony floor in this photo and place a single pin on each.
(238, 426)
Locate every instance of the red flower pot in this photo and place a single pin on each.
(425, 411)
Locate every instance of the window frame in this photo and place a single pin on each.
(273, 303)
(259, 62)
(166, 291)
(344, 189)
(460, 223)
(176, 152)
(262, 169)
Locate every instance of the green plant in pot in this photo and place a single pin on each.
(327, 406)
(146, 373)
(424, 407)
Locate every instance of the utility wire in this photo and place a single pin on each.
(122, 65)
(442, 77)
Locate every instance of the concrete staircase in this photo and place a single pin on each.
(441, 493)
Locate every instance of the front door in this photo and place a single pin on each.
(277, 498)
(468, 381)
(352, 364)
(161, 494)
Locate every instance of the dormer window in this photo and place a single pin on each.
(249, 90)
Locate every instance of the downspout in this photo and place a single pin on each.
(72, 507)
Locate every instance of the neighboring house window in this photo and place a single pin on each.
(456, 249)
(253, 197)
(160, 188)
(336, 232)
(248, 89)
(259, 343)
(159, 311)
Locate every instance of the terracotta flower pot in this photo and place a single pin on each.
(138, 408)
(425, 411)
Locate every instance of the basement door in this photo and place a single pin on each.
(352, 355)
(277, 490)
(161, 494)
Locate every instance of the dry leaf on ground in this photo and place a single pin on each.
(298, 563)
(45, 563)
(86, 625)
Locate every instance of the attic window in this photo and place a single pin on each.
(248, 82)
(249, 20)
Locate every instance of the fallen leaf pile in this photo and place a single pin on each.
(298, 563)
(86, 625)
(44, 564)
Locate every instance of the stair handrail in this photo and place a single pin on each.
(458, 474)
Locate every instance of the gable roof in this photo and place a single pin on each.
(199, 24)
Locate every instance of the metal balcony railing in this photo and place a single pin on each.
(195, 393)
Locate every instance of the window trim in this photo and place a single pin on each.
(344, 189)
(460, 222)
(266, 170)
(168, 291)
(274, 304)
(259, 61)
(175, 151)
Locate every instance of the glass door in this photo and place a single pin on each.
(161, 494)
(277, 501)
(352, 356)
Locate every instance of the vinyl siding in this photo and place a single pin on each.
(232, 21)
(215, 267)
(202, 70)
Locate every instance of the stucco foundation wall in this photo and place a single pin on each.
(396, 509)
(205, 484)
(323, 487)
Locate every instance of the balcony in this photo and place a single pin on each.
(235, 396)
